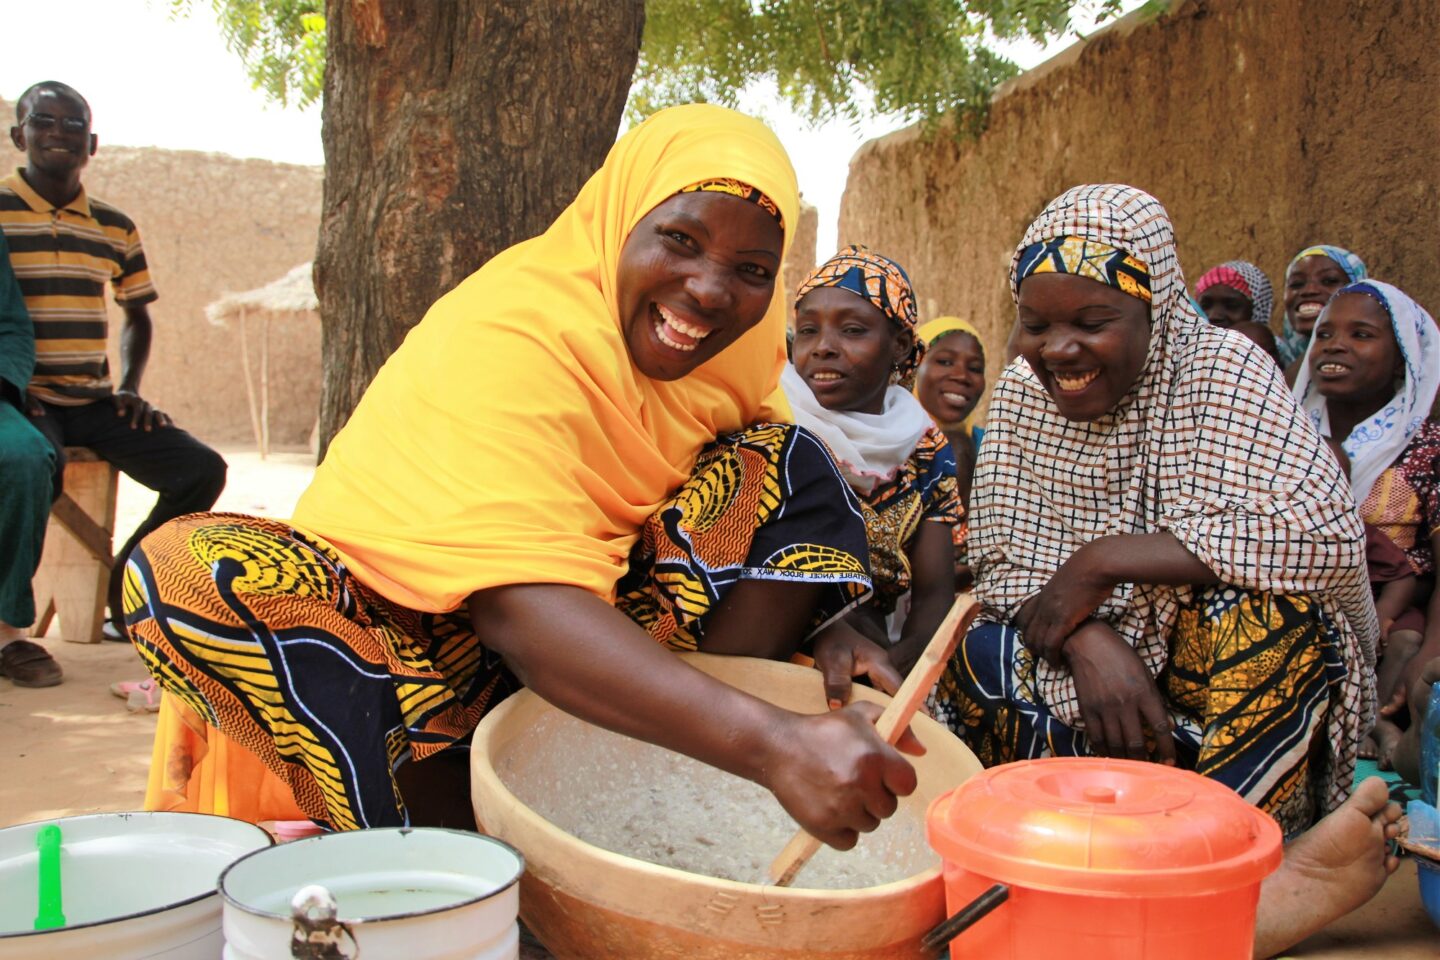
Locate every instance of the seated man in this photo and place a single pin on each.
(26, 463)
(63, 246)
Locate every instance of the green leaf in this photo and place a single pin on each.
(829, 59)
(280, 42)
(841, 59)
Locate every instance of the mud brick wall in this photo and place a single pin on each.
(214, 224)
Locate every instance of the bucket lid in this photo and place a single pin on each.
(1094, 826)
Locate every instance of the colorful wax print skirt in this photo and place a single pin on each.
(1250, 683)
(923, 490)
(260, 631)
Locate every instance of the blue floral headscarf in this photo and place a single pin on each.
(1378, 441)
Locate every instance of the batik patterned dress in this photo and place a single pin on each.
(1404, 501)
(923, 491)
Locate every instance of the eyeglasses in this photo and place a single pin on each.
(45, 121)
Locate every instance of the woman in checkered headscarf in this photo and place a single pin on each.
(1170, 563)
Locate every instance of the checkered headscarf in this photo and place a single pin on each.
(1246, 279)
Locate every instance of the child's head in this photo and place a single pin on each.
(951, 379)
(855, 330)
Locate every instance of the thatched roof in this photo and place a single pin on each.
(292, 293)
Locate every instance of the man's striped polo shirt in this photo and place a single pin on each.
(62, 258)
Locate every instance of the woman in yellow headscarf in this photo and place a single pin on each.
(580, 424)
(949, 385)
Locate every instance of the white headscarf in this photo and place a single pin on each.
(1374, 445)
(869, 448)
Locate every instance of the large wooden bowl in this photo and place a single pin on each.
(586, 903)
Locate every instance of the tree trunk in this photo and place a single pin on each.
(452, 129)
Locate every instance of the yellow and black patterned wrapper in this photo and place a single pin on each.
(263, 633)
(1252, 681)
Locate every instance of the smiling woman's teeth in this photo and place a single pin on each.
(1333, 368)
(956, 399)
(673, 344)
(668, 325)
(1308, 310)
(1078, 382)
(825, 376)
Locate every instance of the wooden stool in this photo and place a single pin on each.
(75, 568)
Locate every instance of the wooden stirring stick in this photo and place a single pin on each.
(893, 721)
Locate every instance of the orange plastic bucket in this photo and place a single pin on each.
(1104, 859)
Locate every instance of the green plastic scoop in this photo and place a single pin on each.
(50, 914)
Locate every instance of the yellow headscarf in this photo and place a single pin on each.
(510, 439)
(932, 330)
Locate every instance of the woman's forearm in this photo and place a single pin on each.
(830, 771)
(1150, 558)
(1396, 597)
(590, 660)
(868, 622)
(932, 591)
(1089, 577)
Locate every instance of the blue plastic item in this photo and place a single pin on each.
(1429, 872)
(1430, 748)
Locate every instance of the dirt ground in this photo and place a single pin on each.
(74, 748)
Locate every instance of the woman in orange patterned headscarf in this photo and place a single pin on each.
(855, 353)
(581, 422)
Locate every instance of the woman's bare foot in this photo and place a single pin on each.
(1329, 870)
(1369, 749)
(1386, 735)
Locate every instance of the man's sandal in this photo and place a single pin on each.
(28, 664)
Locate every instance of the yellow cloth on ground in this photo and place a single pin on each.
(510, 439)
